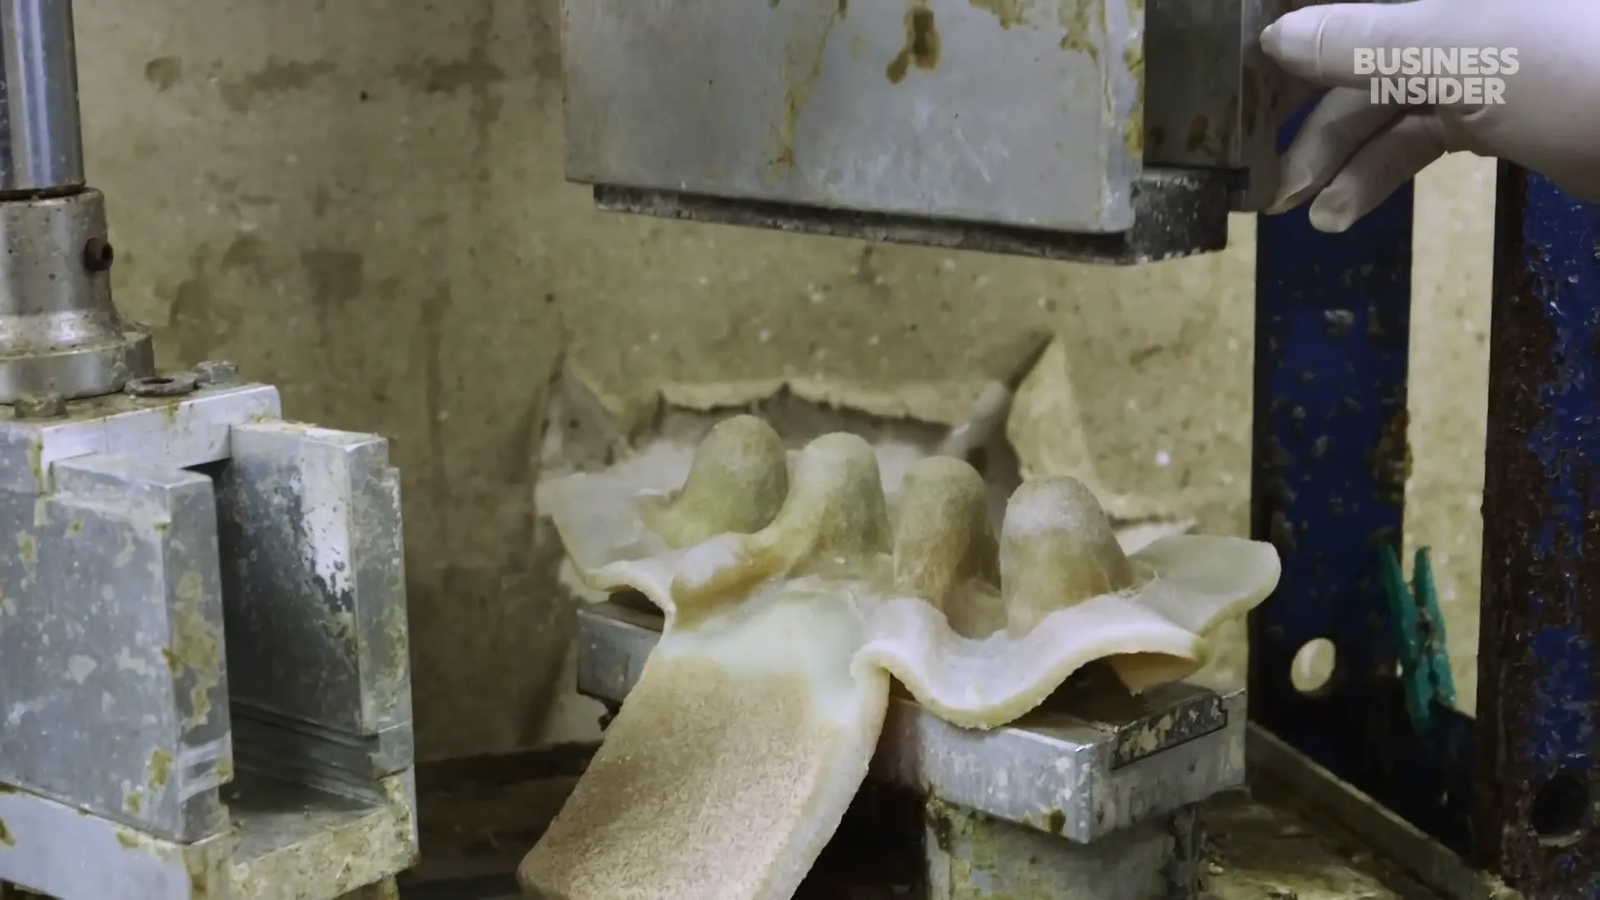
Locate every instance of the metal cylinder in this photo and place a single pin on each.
(41, 139)
(59, 330)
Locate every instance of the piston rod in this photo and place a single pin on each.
(60, 333)
(41, 137)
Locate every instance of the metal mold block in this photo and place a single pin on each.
(937, 109)
(318, 637)
(115, 678)
(166, 542)
(1112, 764)
(907, 125)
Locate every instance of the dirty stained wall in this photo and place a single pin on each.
(362, 203)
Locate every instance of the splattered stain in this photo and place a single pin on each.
(163, 72)
(799, 94)
(244, 92)
(1199, 133)
(922, 44)
(1133, 130)
(1082, 24)
(1009, 13)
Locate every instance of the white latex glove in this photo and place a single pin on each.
(1352, 153)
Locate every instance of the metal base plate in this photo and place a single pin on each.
(289, 840)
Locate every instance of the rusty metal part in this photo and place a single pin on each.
(1213, 98)
(1539, 663)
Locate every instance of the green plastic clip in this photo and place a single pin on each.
(1419, 632)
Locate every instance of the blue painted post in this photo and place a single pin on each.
(1539, 656)
(1328, 480)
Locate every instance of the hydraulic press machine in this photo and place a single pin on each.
(205, 684)
(202, 627)
(1126, 132)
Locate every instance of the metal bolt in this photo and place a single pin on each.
(175, 385)
(216, 371)
(39, 406)
(98, 255)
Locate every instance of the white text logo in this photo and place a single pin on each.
(1436, 76)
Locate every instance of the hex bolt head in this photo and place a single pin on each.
(39, 406)
(216, 371)
(98, 255)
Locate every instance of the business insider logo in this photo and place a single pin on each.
(1435, 76)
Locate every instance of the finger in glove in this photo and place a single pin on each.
(1377, 170)
(1340, 124)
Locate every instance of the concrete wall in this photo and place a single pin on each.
(362, 202)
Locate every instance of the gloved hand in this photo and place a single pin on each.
(1352, 153)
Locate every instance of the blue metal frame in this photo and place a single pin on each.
(1332, 331)
(1539, 662)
